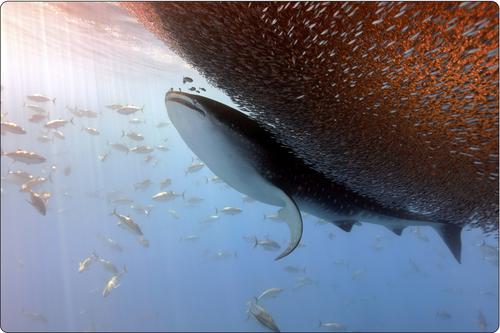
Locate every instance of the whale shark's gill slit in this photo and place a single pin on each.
(293, 218)
(187, 104)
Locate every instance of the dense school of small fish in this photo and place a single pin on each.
(32, 185)
(396, 100)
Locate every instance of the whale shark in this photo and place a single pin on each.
(248, 156)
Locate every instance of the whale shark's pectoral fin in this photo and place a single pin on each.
(451, 235)
(346, 225)
(291, 214)
(397, 230)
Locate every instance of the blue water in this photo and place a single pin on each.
(93, 55)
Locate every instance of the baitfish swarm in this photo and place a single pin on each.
(397, 101)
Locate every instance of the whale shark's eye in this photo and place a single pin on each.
(187, 104)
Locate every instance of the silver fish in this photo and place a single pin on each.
(40, 98)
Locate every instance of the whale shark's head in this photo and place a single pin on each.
(213, 130)
(189, 113)
(202, 123)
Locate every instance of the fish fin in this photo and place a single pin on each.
(397, 230)
(345, 225)
(451, 235)
(293, 219)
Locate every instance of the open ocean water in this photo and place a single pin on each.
(195, 268)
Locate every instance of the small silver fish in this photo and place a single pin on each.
(129, 109)
(164, 183)
(84, 264)
(294, 269)
(40, 98)
(229, 210)
(11, 128)
(142, 149)
(38, 202)
(267, 244)
(142, 185)
(196, 166)
(119, 146)
(90, 130)
(25, 157)
(271, 292)
(165, 196)
(58, 123)
(262, 316)
(133, 136)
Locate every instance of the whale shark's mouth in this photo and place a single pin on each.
(185, 101)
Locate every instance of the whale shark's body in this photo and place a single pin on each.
(247, 156)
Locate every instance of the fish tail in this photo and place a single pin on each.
(125, 270)
(54, 100)
(320, 323)
(123, 133)
(256, 242)
(265, 216)
(114, 212)
(184, 195)
(71, 121)
(216, 211)
(142, 109)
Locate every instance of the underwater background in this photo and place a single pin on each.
(200, 267)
